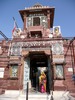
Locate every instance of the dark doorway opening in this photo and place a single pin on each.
(38, 62)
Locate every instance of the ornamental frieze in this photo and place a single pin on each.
(17, 47)
(35, 43)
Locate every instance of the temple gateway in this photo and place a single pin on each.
(37, 55)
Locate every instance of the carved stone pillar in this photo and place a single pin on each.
(48, 18)
(24, 21)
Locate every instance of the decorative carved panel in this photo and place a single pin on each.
(29, 21)
(16, 49)
(57, 48)
(44, 21)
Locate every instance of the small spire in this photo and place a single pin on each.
(37, 5)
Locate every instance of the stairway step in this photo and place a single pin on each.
(60, 88)
(72, 90)
(34, 97)
(72, 94)
(2, 91)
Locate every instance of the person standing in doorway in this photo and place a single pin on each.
(42, 82)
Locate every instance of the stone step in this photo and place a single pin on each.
(33, 97)
(20, 95)
(72, 90)
(2, 91)
(63, 88)
(72, 94)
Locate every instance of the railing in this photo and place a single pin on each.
(27, 91)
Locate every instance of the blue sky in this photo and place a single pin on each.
(64, 14)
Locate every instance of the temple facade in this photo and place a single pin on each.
(37, 55)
